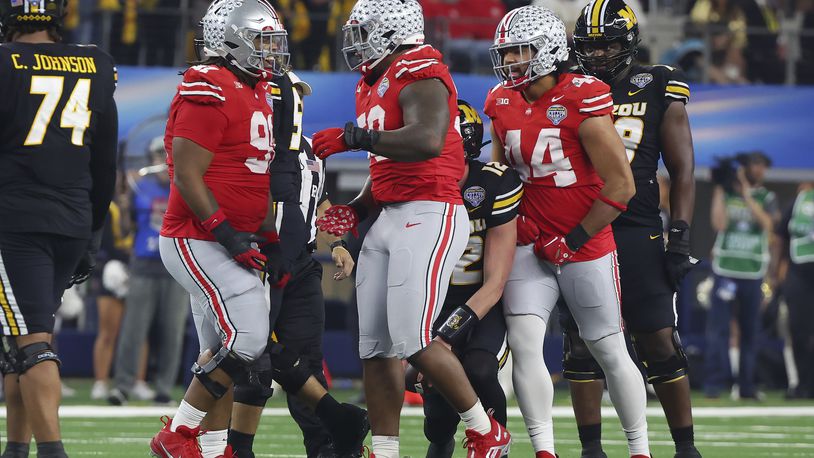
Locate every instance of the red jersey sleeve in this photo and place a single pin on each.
(423, 63)
(594, 97)
(204, 124)
(491, 103)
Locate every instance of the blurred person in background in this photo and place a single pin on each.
(743, 213)
(795, 233)
(154, 298)
(724, 23)
(111, 279)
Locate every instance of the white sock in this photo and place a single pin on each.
(626, 389)
(187, 416)
(475, 418)
(532, 382)
(213, 443)
(385, 446)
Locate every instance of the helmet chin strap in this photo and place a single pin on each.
(365, 69)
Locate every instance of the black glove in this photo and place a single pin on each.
(678, 259)
(457, 328)
(277, 271)
(238, 244)
(88, 261)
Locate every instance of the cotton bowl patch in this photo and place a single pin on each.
(641, 80)
(475, 195)
(556, 113)
(383, 87)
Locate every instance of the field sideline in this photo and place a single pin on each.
(731, 431)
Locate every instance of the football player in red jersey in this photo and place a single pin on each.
(219, 144)
(555, 129)
(406, 105)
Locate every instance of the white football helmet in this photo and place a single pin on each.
(248, 34)
(538, 33)
(377, 27)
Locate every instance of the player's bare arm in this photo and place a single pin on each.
(604, 147)
(497, 263)
(191, 162)
(676, 140)
(498, 154)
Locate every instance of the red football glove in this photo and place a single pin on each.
(527, 231)
(338, 220)
(553, 249)
(329, 141)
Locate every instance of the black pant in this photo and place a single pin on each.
(798, 290)
(34, 271)
(299, 325)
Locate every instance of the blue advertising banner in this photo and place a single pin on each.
(724, 119)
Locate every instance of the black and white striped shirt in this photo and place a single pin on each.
(312, 186)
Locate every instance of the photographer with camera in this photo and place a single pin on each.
(743, 214)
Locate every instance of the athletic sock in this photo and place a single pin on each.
(242, 443)
(16, 450)
(475, 418)
(590, 436)
(51, 450)
(213, 443)
(684, 438)
(187, 416)
(385, 446)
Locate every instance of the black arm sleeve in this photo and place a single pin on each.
(103, 164)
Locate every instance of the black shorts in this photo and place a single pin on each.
(34, 271)
(648, 302)
(489, 335)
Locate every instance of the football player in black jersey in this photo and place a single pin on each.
(58, 138)
(650, 117)
(471, 320)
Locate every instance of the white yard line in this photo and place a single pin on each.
(514, 412)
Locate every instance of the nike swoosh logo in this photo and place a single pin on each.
(498, 435)
(411, 224)
(654, 237)
(474, 208)
(554, 99)
(629, 93)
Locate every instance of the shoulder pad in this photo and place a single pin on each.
(203, 84)
(591, 95)
(675, 83)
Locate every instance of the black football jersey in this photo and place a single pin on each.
(491, 194)
(639, 102)
(285, 168)
(57, 122)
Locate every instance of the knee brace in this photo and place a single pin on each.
(24, 358)
(224, 360)
(256, 389)
(668, 370)
(288, 368)
(578, 365)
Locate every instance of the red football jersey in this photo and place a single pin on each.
(541, 142)
(214, 109)
(377, 107)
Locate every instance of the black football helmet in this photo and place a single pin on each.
(32, 14)
(471, 129)
(602, 22)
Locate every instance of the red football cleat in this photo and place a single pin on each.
(493, 444)
(639, 456)
(181, 443)
(544, 454)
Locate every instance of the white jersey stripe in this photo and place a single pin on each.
(594, 99)
(513, 191)
(201, 83)
(598, 107)
(208, 93)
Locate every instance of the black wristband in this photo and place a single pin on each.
(361, 210)
(358, 138)
(678, 237)
(337, 243)
(577, 237)
(458, 325)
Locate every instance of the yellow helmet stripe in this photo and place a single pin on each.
(596, 16)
